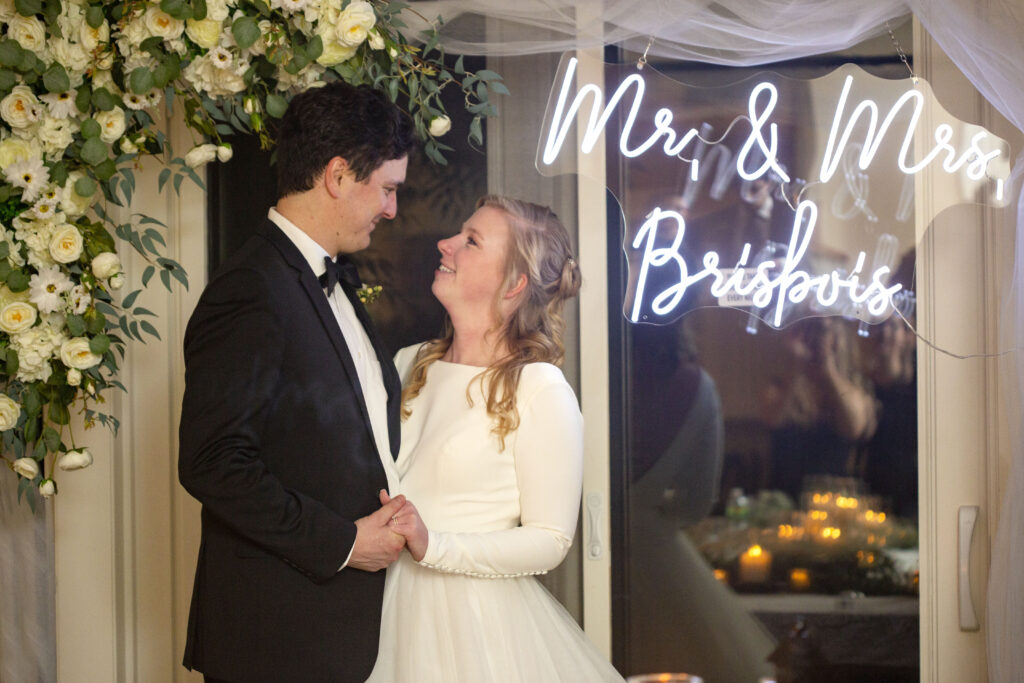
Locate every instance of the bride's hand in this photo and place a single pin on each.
(408, 523)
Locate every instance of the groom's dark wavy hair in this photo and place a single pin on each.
(357, 123)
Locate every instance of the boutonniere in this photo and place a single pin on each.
(368, 293)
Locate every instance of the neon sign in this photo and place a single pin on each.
(866, 132)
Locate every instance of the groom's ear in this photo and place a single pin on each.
(335, 174)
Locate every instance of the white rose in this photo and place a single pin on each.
(74, 377)
(70, 55)
(376, 40)
(205, 33)
(66, 244)
(334, 52)
(13, 150)
(26, 467)
(17, 317)
(112, 124)
(159, 23)
(106, 265)
(201, 155)
(217, 10)
(47, 488)
(75, 353)
(117, 282)
(28, 31)
(10, 411)
(20, 109)
(90, 37)
(354, 23)
(75, 460)
(440, 125)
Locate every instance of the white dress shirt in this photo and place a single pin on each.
(364, 357)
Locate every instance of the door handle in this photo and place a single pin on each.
(594, 546)
(967, 516)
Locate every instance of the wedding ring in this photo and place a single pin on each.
(395, 518)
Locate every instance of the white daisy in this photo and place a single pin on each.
(30, 175)
(136, 102)
(61, 104)
(220, 57)
(45, 208)
(47, 287)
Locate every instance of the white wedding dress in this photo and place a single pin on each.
(472, 610)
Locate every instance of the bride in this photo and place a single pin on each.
(492, 455)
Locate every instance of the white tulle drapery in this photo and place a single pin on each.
(982, 39)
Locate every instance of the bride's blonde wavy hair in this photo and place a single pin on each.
(539, 248)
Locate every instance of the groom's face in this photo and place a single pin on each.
(361, 204)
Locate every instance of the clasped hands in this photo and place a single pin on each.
(381, 536)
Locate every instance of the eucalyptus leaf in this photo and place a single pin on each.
(99, 344)
(246, 31)
(18, 280)
(141, 80)
(103, 100)
(94, 16)
(91, 129)
(56, 79)
(28, 8)
(276, 105)
(94, 151)
(8, 79)
(76, 325)
(85, 186)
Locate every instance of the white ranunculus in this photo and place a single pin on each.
(75, 353)
(28, 31)
(66, 244)
(112, 124)
(204, 32)
(354, 23)
(47, 488)
(26, 467)
(159, 23)
(10, 411)
(20, 109)
(7, 10)
(105, 265)
(75, 460)
(74, 377)
(17, 317)
(15, 149)
(440, 125)
(200, 155)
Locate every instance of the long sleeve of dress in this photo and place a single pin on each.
(548, 449)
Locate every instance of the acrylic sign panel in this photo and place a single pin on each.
(823, 171)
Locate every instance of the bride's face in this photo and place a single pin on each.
(472, 269)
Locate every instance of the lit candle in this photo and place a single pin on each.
(722, 576)
(755, 565)
(799, 579)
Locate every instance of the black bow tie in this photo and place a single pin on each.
(341, 271)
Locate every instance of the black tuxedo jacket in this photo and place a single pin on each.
(276, 443)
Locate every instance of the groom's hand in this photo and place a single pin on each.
(376, 545)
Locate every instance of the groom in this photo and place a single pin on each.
(290, 420)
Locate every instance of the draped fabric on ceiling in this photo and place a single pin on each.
(982, 39)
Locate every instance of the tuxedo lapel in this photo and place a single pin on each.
(311, 286)
(392, 383)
